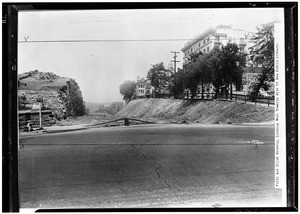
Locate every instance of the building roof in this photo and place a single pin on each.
(201, 36)
(142, 80)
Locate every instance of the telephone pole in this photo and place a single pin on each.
(174, 60)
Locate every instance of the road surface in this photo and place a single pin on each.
(149, 166)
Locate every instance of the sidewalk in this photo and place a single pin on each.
(53, 129)
(270, 123)
(58, 129)
(61, 129)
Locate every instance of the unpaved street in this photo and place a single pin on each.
(149, 166)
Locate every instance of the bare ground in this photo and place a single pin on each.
(205, 112)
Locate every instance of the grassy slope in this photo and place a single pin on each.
(33, 84)
(208, 112)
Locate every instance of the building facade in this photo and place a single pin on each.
(217, 37)
(143, 88)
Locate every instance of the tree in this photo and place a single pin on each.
(178, 83)
(87, 111)
(192, 78)
(127, 89)
(158, 77)
(198, 70)
(232, 61)
(203, 69)
(72, 99)
(194, 56)
(262, 55)
(115, 107)
(22, 102)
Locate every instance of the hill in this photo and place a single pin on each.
(206, 112)
(53, 91)
(45, 81)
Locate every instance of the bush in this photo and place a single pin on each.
(72, 99)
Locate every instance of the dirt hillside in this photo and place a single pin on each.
(205, 112)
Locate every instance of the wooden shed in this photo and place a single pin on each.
(34, 117)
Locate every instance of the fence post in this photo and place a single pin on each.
(187, 94)
(255, 100)
(245, 98)
(268, 101)
(235, 97)
(126, 120)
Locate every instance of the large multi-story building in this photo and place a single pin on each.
(217, 37)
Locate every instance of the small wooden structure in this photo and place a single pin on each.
(34, 117)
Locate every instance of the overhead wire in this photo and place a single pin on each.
(117, 40)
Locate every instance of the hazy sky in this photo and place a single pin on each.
(100, 67)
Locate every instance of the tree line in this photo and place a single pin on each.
(221, 67)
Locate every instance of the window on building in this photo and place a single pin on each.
(207, 39)
(217, 38)
(204, 41)
(207, 49)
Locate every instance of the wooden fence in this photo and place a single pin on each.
(221, 97)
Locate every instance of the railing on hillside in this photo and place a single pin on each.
(221, 97)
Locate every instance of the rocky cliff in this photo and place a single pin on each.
(53, 91)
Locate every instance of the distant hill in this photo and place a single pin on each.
(93, 106)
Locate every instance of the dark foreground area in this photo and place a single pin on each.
(149, 166)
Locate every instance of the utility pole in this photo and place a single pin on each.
(174, 60)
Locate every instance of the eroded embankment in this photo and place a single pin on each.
(206, 112)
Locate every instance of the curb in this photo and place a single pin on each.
(63, 130)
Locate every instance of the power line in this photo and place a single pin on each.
(102, 40)
(115, 40)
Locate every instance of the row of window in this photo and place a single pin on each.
(217, 38)
(198, 46)
(204, 50)
(207, 49)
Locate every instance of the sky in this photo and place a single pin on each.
(100, 67)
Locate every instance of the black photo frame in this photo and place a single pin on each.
(10, 196)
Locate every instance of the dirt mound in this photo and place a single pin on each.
(205, 112)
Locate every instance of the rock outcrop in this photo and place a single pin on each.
(53, 91)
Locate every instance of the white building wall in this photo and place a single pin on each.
(220, 35)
